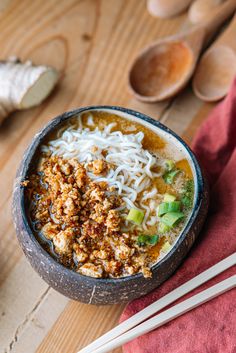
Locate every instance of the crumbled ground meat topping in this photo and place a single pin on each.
(81, 219)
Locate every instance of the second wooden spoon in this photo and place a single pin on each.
(217, 67)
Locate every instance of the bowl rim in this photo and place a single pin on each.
(24, 172)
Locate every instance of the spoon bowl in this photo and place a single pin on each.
(219, 66)
(161, 71)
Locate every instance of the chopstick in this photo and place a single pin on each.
(169, 314)
(162, 303)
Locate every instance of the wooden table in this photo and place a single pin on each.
(92, 43)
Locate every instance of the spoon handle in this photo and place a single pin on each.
(210, 26)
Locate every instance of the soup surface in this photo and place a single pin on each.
(108, 197)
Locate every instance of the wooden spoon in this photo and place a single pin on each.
(167, 8)
(200, 10)
(217, 67)
(165, 67)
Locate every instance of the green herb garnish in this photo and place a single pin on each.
(186, 201)
(169, 164)
(170, 171)
(144, 239)
(187, 194)
(170, 175)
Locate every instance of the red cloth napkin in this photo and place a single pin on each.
(210, 328)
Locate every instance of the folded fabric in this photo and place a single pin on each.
(210, 328)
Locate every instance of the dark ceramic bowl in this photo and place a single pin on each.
(105, 291)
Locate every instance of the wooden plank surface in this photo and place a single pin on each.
(92, 43)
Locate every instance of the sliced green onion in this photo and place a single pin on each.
(172, 218)
(147, 239)
(166, 207)
(163, 228)
(169, 198)
(162, 208)
(169, 176)
(174, 206)
(166, 246)
(169, 164)
(135, 216)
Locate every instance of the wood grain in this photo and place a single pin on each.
(92, 43)
(87, 42)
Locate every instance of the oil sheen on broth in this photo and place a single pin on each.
(108, 199)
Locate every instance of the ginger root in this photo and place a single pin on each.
(24, 85)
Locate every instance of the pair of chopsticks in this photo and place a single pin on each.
(136, 325)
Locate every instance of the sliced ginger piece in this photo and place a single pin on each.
(24, 85)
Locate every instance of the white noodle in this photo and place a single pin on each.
(131, 165)
(150, 194)
(153, 221)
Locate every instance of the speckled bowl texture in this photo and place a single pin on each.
(105, 291)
